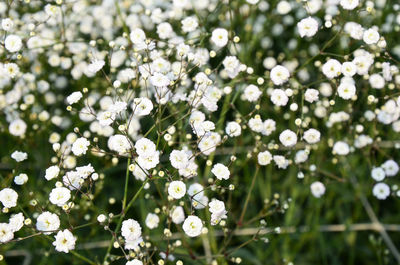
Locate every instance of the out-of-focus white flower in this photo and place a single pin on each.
(17, 127)
(378, 174)
(13, 43)
(317, 189)
(19, 156)
(341, 148)
(152, 220)
(349, 4)
(6, 234)
(21, 179)
(74, 97)
(381, 191)
(312, 136)
(177, 215)
(391, 168)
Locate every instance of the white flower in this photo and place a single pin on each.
(47, 222)
(19, 156)
(346, 90)
(301, 156)
(341, 148)
(217, 207)
(371, 36)
(219, 37)
(178, 215)
(164, 30)
(60, 196)
(131, 230)
(233, 129)
(192, 226)
(231, 66)
(8, 197)
(101, 218)
(52, 172)
(145, 147)
(152, 220)
(381, 191)
(74, 97)
(7, 24)
(21, 179)
(80, 146)
(179, 159)
(159, 80)
(312, 136)
(332, 68)
(95, 66)
(252, 93)
(307, 27)
(137, 36)
(349, 69)
(142, 106)
(311, 95)
(349, 4)
(65, 241)
(391, 168)
(217, 210)
(220, 171)
(264, 158)
(11, 69)
(13, 43)
(85, 171)
(72, 180)
(279, 97)
(378, 174)
(6, 234)
(150, 161)
(177, 189)
(283, 7)
(279, 75)
(106, 118)
(52, 10)
(16, 222)
(288, 138)
(134, 262)
(377, 81)
(17, 127)
(268, 127)
(317, 189)
(119, 143)
(189, 24)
